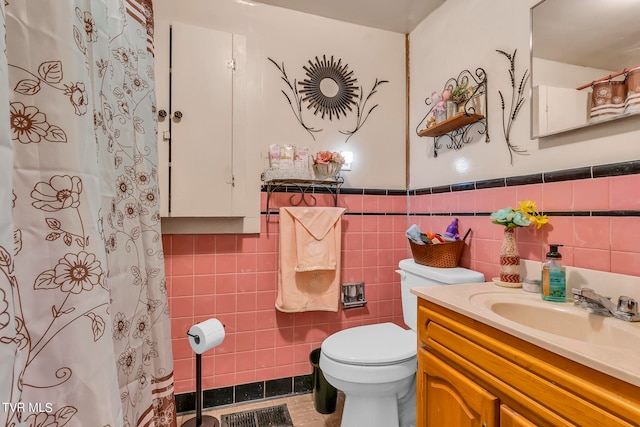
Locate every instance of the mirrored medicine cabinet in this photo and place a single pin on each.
(575, 43)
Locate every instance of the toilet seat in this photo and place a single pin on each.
(371, 345)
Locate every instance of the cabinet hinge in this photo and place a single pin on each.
(231, 63)
(232, 180)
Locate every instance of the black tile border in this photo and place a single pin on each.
(463, 186)
(372, 192)
(600, 171)
(616, 169)
(535, 178)
(567, 175)
(186, 402)
(491, 183)
(301, 384)
(630, 167)
(217, 397)
(356, 191)
(278, 387)
(441, 189)
(614, 213)
(250, 391)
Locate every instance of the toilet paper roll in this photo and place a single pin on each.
(205, 335)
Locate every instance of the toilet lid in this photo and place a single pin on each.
(380, 344)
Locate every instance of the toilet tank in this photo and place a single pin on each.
(413, 275)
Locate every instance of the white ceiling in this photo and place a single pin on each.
(593, 33)
(400, 16)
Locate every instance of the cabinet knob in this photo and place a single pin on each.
(177, 115)
(162, 114)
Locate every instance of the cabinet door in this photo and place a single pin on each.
(510, 418)
(450, 399)
(201, 176)
(162, 46)
(556, 109)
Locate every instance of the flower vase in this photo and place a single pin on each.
(510, 259)
(327, 170)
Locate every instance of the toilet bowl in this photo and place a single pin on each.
(375, 365)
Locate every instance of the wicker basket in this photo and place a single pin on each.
(441, 255)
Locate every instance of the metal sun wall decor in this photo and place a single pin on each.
(517, 101)
(335, 99)
(329, 90)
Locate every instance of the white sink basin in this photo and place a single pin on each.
(563, 319)
(606, 344)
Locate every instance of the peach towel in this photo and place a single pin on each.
(309, 273)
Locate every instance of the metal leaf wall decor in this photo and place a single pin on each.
(517, 100)
(340, 101)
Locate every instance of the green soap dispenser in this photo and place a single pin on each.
(554, 283)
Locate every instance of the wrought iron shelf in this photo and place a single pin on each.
(452, 123)
(457, 127)
(303, 191)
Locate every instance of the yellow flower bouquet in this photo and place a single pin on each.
(523, 216)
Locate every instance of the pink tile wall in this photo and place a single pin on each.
(233, 277)
(604, 243)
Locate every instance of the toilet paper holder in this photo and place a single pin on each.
(201, 420)
(195, 337)
(353, 295)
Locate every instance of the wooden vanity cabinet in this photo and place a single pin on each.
(451, 399)
(510, 418)
(471, 374)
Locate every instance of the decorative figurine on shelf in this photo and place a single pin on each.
(439, 108)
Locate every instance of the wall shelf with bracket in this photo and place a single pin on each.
(467, 96)
(303, 191)
(450, 124)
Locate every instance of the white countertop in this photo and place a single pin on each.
(620, 361)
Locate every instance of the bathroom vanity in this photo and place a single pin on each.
(497, 357)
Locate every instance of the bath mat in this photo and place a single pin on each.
(273, 416)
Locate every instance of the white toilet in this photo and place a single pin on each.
(375, 365)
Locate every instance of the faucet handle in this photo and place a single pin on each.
(627, 305)
(577, 292)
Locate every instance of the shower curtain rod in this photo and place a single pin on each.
(609, 77)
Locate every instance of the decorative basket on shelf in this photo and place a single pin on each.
(327, 170)
(440, 255)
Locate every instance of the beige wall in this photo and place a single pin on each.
(464, 34)
(294, 38)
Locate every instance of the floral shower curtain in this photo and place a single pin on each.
(84, 324)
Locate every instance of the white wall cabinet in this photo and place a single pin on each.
(556, 109)
(200, 91)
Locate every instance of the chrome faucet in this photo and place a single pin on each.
(626, 309)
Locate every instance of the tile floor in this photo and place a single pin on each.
(300, 407)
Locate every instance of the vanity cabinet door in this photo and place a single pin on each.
(510, 418)
(447, 398)
(195, 95)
